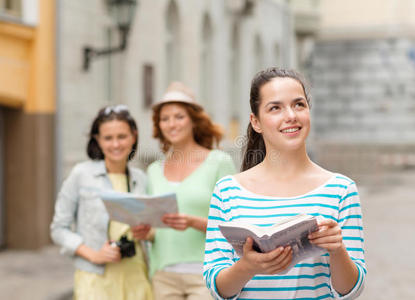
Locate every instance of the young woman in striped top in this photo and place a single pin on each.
(280, 180)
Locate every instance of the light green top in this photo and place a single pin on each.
(193, 197)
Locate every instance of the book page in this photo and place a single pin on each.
(236, 236)
(287, 222)
(292, 232)
(295, 236)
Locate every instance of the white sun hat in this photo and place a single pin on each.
(177, 92)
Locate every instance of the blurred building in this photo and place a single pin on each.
(27, 110)
(363, 73)
(215, 47)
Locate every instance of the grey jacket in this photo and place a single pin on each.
(80, 215)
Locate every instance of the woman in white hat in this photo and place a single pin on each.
(190, 168)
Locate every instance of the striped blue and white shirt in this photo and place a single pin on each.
(337, 199)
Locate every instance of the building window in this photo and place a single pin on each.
(206, 65)
(11, 7)
(173, 61)
(148, 85)
(234, 81)
(277, 55)
(259, 54)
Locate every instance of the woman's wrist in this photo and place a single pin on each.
(191, 221)
(94, 257)
(341, 251)
(245, 267)
(88, 253)
(230, 281)
(198, 223)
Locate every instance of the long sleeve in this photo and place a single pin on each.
(219, 254)
(65, 214)
(350, 221)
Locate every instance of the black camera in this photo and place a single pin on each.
(127, 247)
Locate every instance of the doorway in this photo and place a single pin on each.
(2, 204)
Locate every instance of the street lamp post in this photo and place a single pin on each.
(124, 13)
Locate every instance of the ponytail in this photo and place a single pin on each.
(255, 149)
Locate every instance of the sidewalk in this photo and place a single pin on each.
(35, 275)
(388, 205)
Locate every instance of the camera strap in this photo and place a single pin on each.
(127, 173)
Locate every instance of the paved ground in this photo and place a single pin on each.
(388, 205)
(35, 275)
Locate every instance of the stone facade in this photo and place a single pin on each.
(362, 70)
(365, 91)
(364, 102)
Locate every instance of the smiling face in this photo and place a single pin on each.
(175, 124)
(283, 116)
(116, 141)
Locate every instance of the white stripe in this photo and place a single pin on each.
(306, 287)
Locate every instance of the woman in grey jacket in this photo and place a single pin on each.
(81, 223)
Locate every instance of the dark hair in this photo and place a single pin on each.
(205, 132)
(105, 114)
(255, 147)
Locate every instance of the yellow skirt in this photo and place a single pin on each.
(124, 280)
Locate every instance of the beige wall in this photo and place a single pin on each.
(15, 58)
(41, 96)
(306, 16)
(27, 99)
(27, 63)
(367, 17)
(305, 5)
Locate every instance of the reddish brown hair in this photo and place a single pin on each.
(205, 132)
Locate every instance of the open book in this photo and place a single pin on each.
(291, 231)
(135, 209)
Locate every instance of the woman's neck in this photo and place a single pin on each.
(115, 167)
(184, 150)
(286, 164)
